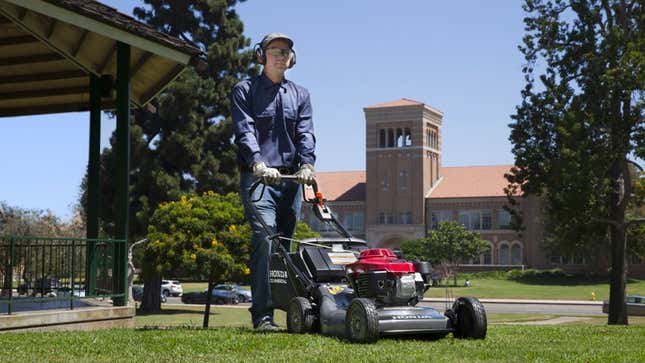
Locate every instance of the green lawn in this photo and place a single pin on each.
(173, 336)
(500, 288)
(503, 344)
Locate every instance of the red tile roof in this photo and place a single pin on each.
(457, 182)
(342, 185)
(472, 181)
(397, 103)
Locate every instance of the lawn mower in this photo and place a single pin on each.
(341, 287)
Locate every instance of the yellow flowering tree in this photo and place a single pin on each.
(204, 235)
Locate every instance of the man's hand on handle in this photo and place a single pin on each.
(306, 174)
(268, 175)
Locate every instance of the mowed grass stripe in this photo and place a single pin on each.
(503, 344)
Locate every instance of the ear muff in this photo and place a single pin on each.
(293, 59)
(261, 56)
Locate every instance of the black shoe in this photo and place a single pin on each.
(268, 326)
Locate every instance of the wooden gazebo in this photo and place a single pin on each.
(72, 55)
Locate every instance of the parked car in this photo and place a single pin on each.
(46, 285)
(171, 288)
(219, 297)
(137, 294)
(243, 295)
(635, 305)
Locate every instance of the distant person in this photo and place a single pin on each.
(274, 133)
(467, 283)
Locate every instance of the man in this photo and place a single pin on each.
(272, 120)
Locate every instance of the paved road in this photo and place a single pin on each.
(546, 308)
(532, 308)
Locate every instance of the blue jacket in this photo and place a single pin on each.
(272, 123)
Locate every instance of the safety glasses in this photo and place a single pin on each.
(285, 52)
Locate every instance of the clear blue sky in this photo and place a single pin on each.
(460, 57)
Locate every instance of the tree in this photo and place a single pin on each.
(185, 144)
(206, 235)
(449, 246)
(20, 222)
(580, 119)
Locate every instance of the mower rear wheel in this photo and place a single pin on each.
(361, 322)
(470, 318)
(300, 316)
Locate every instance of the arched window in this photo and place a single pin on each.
(504, 254)
(381, 138)
(399, 137)
(408, 137)
(516, 254)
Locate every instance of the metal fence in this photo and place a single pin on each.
(59, 271)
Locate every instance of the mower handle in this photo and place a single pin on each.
(318, 204)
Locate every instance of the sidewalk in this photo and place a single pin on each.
(525, 301)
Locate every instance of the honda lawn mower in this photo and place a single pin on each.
(340, 287)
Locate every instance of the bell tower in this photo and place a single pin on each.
(403, 164)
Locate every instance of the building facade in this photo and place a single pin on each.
(405, 192)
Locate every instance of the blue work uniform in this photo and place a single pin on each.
(272, 124)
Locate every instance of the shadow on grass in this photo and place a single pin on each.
(174, 312)
(552, 277)
(566, 280)
(186, 327)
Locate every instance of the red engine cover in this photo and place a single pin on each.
(379, 259)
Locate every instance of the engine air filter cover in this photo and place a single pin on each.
(381, 259)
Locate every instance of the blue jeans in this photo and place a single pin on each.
(279, 207)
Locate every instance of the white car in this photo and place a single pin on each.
(171, 288)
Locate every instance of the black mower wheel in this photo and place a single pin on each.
(361, 322)
(300, 316)
(469, 318)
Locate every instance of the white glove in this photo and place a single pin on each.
(268, 175)
(306, 174)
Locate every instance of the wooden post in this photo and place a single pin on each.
(119, 272)
(93, 184)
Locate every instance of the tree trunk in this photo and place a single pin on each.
(618, 279)
(6, 284)
(209, 297)
(151, 301)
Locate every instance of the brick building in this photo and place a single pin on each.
(405, 192)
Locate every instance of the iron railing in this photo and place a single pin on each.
(58, 272)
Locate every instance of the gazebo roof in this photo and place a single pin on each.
(49, 47)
